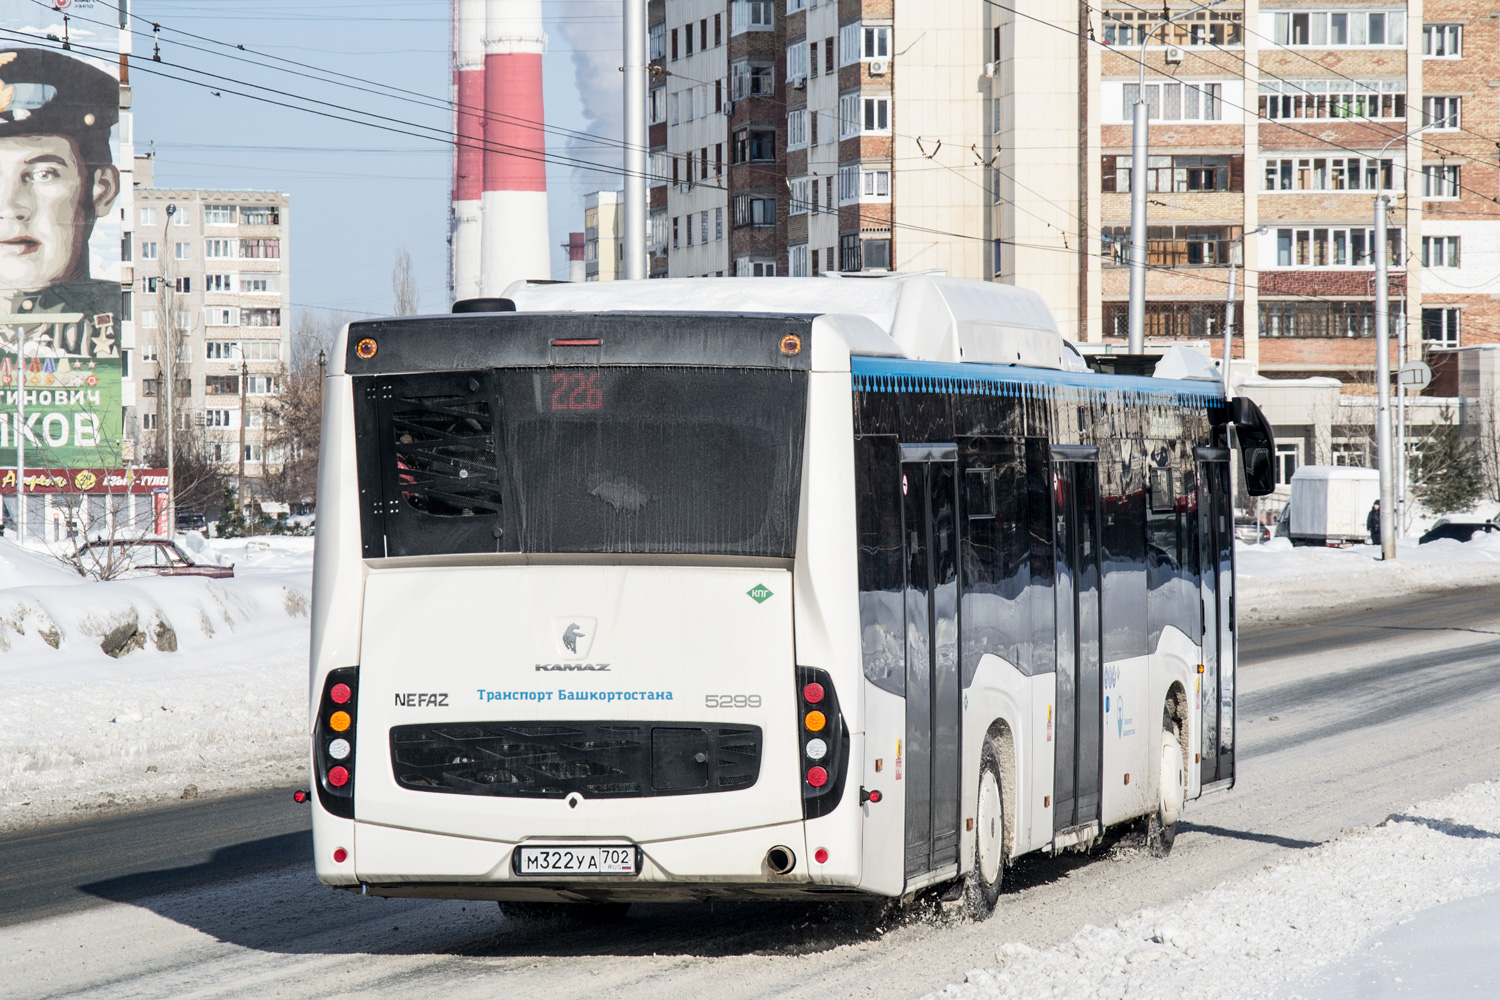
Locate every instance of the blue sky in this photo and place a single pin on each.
(358, 192)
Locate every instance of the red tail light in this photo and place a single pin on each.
(334, 741)
(825, 742)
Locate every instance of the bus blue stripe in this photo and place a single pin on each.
(905, 375)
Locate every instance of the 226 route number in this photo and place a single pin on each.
(731, 701)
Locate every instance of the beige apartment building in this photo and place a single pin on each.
(993, 141)
(603, 236)
(211, 287)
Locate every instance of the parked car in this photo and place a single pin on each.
(1459, 531)
(1251, 532)
(106, 559)
(191, 521)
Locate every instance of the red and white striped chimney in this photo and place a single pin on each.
(515, 243)
(468, 155)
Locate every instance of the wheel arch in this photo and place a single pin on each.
(1176, 709)
(1002, 739)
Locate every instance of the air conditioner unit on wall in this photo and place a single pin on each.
(1174, 54)
(991, 68)
(878, 67)
(799, 82)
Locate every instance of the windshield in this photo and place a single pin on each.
(609, 459)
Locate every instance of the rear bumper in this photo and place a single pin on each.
(388, 861)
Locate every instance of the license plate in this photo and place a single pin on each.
(575, 861)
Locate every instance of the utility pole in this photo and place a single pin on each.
(1382, 384)
(636, 66)
(1140, 127)
(21, 433)
(167, 366)
(239, 496)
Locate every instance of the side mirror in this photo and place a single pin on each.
(1257, 445)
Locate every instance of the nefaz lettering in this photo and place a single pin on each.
(572, 666)
(413, 699)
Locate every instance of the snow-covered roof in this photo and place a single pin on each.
(928, 317)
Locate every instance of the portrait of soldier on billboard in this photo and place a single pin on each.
(57, 179)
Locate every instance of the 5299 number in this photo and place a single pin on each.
(731, 701)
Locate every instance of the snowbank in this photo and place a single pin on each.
(207, 691)
(1276, 580)
(1321, 925)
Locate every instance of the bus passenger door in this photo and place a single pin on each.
(929, 486)
(1080, 720)
(1215, 547)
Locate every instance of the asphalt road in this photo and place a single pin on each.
(1343, 722)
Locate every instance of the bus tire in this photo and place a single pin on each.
(983, 883)
(1161, 825)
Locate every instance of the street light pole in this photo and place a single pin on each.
(21, 433)
(167, 366)
(244, 385)
(1235, 248)
(1139, 137)
(635, 68)
(1383, 359)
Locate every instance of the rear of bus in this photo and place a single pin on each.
(559, 561)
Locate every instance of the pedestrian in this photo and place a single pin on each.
(1372, 523)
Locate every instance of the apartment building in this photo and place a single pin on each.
(603, 236)
(211, 277)
(993, 141)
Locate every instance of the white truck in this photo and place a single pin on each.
(1329, 505)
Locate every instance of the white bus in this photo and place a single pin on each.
(798, 586)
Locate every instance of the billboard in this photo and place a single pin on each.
(60, 235)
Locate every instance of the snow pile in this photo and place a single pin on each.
(1276, 579)
(207, 690)
(1282, 932)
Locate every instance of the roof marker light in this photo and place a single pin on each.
(366, 348)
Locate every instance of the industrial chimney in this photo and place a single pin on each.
(577, 269)
(514, 204)
(468, 145)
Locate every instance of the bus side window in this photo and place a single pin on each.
(882, 579)
(1043, 658)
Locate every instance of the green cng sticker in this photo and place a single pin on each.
(759, 593)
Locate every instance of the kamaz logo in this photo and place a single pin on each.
(572, 666)
(571, 636)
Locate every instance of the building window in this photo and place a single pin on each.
(180, 251)
(658, 232)
(1338, 29)
(747, 80)
(1176, 102)
(1301, 318)
(752, 145)
(1131, 27)
(746, 267)
(1442, 41)
(857, 183)
(877, 114)
(221, 385)
(749, 211)
(703, 227)
(184, 214)
(1320, 246)
(718, 224)
(1440, 251)
(1329, 99)
(266, 249)
(221, 248)
(812, 58)
(1440, 113)
(875, 255)
(260, 215)
(1440, 327)
(221, 316)
(260, 317)
(849, 252)
(792, 6)
(676, 233)
(658, 39)
(148, 250)
(849, 43)
(151, 387)
(218, 282)
(687, 39)
(1172, 246)
(751, 15)
(718, 30)
(1335, 173)
(218, 215)
(268, 283)
(796, 129)
(1199, 320)
(674, 44)
(1286, 463)
(797, 260)
(796, 63)
(148, 420)
(148, 322)
(1178, 173)
(221, 350)
(1439, 180)
(656, 107)
(999, 243)
(261, 385)
(148, 215)
(799, 200)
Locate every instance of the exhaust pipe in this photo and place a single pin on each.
(780, 860)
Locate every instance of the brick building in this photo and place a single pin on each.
(993, 141)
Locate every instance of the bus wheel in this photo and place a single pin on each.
(982, 886)
(1161, 825)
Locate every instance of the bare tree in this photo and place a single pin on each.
(404, 285)
(1486, 430)
(294, 418)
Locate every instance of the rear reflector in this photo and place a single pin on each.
(340, 694)
(817, 777)
(340, 855)
(338, 777)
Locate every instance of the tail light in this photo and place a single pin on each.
(825, 742)
(334, 739)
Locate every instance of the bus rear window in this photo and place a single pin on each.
(611, 459)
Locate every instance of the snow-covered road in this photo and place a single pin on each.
(1342, 726)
